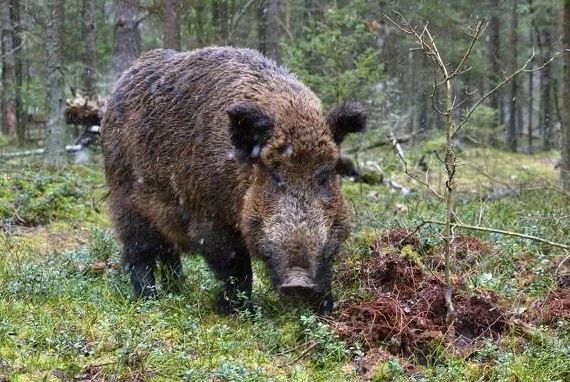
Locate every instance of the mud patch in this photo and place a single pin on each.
(477, 317)
(392, 274)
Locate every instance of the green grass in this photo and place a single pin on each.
(65, 310)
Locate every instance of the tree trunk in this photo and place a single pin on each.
(18, 54)
(546, 98)
(126, 35)
(200, 22)
(220, 18)
(412, 64)
(90, 57)
(268, 28)
(512, 128)
(170, 24)
(530, 83)
(9, 116)
(54, 55)
(494, 56)
(565, 163)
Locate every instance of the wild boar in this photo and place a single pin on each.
(222, 152)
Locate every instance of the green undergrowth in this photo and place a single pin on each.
(66, 314)
(33, 195)
(65, 311)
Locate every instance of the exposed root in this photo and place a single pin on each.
(408, 312)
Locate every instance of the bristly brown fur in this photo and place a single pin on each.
(177, 177)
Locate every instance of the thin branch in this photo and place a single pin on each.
(304, 352)
(481, 26)
(503, 83)
(14, 49)
(385, 142)
(503, 232)
(400, 153)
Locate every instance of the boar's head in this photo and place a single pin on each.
(293, 215)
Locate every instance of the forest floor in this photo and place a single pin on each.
(65, 312)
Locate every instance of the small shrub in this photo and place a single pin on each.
(327, 346)
(340, 48)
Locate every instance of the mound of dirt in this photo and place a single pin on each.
(466, 248)
(398, 238)
(466, 245)
(555, 306)
(477, 316)
(408, 311)
(392, 274)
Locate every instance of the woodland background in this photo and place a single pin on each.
(458, 264)
(342, 49)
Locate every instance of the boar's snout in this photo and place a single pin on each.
(297, 282)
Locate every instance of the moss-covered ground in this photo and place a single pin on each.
(65, 312)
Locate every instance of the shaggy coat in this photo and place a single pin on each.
(223, 152)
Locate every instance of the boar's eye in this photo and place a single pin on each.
(277, 179)
(324, 181)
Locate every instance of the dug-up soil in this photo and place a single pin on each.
(555, 306)
(407, 312)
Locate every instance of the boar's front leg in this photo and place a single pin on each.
(227, 256)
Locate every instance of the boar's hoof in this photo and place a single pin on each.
(142, 281)
(325, 306)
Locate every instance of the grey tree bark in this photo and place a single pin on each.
(565, 164)
(55, 82)
(494, 57)
(546, 96)
(9, 98)
(221, 20)
(269, 28)
(513, 114)
(18, 58)
(170, 24)
(126, 35)
(90, 45)
(530, 82)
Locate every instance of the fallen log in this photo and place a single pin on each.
(87, 138)
(84, 111)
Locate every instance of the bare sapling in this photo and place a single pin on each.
(445, 104)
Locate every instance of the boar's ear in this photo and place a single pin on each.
(250, 128)
(346, 167)
(348, 117)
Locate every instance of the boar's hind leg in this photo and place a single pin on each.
(229, 260)
(142, 245)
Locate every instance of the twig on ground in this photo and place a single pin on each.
(304, 353)
(561, 263)
(503, 232)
